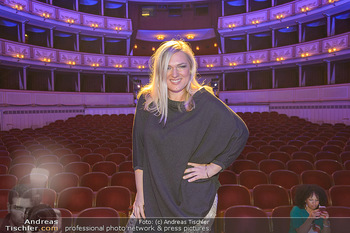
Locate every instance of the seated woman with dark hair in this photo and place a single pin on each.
(309, 215)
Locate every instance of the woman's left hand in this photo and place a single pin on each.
(324, 215)
(200, 171)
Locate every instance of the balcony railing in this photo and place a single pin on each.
(321, 49)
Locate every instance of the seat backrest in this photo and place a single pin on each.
(116, 197)
(299, 165)
(75, 199)
(269, 165)
(107, 167)
(341, 177)
(284, 178)
(63, 180)
(251, 178)
(269, 196)
(328, 165)
(231, 195)
(247, 219)
(125, 179)
(94, 180)
(240, 165)
(281, 218)
(340, 195)
(227, 177)
(320, 178)
(79, 168)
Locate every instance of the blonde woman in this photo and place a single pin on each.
(183, 136)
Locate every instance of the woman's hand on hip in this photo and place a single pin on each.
(138, 207)
(200, 171)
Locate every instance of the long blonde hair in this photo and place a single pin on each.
(156, 91)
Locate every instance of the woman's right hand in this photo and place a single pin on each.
(315, 214)
(138, 207)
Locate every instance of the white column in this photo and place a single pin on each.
(51, 37)
(102, 7)
(248, 47)
(301, 80)
(128, 82)
(23, 36)
(329, 26)
(52, 87)
(223, 49)
(78, 46)
(272, 2)
(300, 29)
(247, 5)
(103, 83)
(77, 5)
(273, 38)
(78, 89)
(23, 82)
(51, 2)
(273, 78)
(103, 44)
(127, 9)
(223, 82)
(248, 80)
(329, 73)
(128, 41)
(222, 7)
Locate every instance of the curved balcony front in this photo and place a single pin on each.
(330, 48)
(279, 16)
(49, 16)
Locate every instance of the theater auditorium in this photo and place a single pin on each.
(71, 70)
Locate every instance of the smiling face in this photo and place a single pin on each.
(312, 202)
(178, 76)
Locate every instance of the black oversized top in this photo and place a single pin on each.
(210, 133)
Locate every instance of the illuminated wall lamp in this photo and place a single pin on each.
(118, 28)
(190, 37)
(18, 55)
(153, 49)
(95, 65)
(70, 21)
(255, 22)
(233, 64)
(280, 16)
(210, 66)
(18, 7)
(256, 61)
(118, 66)
(45, 15)
(71, 63)
(305, 9)
(280, 59)
(141, 67)
(231, 25)
(331, 50)
(46, 59)
(94, 25)
(160, 37)
(305, 55)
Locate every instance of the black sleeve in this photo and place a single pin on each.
(236, 143)
(137, 135)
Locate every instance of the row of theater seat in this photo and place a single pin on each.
(264, 196)
(296, 165)
(285, 178)
(60, 181)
